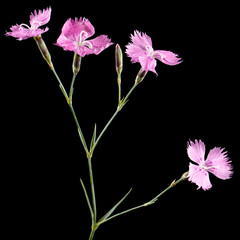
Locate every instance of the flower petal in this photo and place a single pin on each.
(196, 151)
(40, 18)
(141, 40)
(139, 47)
(99, 44)
(66, 43)
(148, 63)
(199, 176)
(134, 52)
(219, 164)
(167, 57)
(76, 29)
(22, 33)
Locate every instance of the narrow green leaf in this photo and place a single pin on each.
(82, 140)
(108, 214)
(87, 198)
(93, 137)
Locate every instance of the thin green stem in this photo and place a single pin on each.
(104, 129)
(76, 67)
(79, 129)
(94, 220)
(92, 234)
(119, 88)
(174, 183)
(72, 111)
(60, 85)
(71, 88)
(120, 106)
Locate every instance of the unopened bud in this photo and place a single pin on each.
(76, 63)
(140, 76)
(118, 59)
(43, 49)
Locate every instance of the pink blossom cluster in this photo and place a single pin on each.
(75, 36)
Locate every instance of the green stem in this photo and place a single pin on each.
(119, 88)
(79, 129)
(76, 66)
(120, 106)
(94, 220)
(174, 183)
(92, 234)
(72, 111)
(71, 88)
(104, 129)
(60, 84)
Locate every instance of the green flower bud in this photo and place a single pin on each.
(118, 59)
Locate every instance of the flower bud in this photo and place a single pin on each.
(43, 49)
(76, 63)
(118, 59)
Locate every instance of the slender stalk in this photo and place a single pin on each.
(75, 67)
(94, 220)
(104, 129)
(79, 129)
(174, 183)
(120, 106)
(119, 88)
(72, 111)
(91, 234)
(71, 88)
(60, 85)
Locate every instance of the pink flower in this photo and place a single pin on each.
(140, 50)
(23, 31)
(216, 163)
(74, 37)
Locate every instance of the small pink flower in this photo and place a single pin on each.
(74, 37)
(23, 31)
(140, 50)
(216, 163)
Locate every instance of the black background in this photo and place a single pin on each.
(145, 146)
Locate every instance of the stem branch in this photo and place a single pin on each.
(174, 183)
(120, 106)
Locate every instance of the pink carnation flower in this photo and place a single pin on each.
(141, 50)
(23, 31)
(74, 37)
(216, 163)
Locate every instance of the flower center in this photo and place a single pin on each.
(149, 50)
(203, 166)
(83, 35)
(34, 25)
